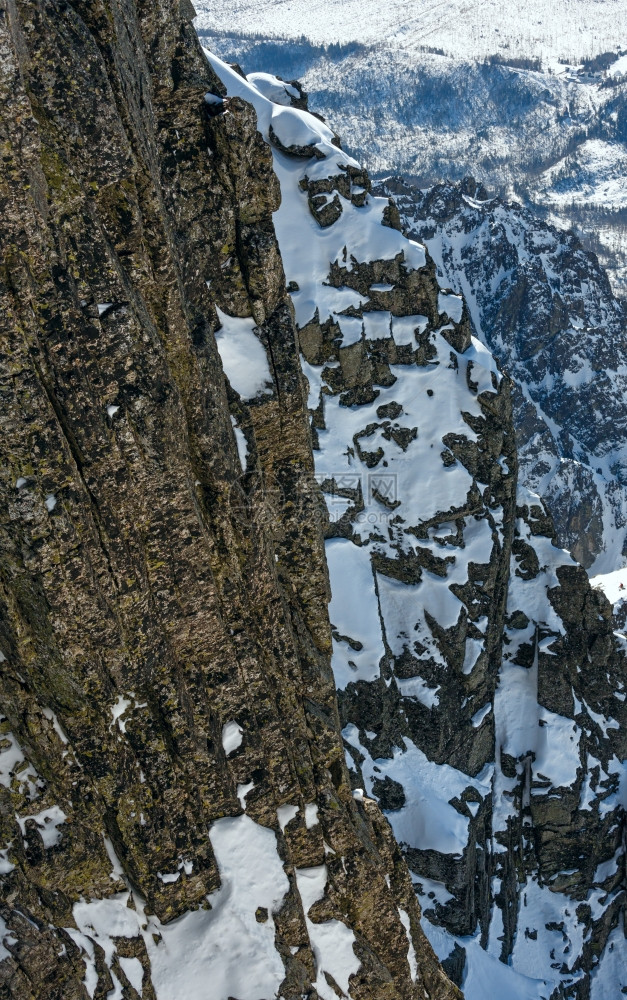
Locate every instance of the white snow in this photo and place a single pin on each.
(168, 877)
(243, 356)
(118, 710)
(428, 890)
(294, 223)
(238, 953)
(293, 128)
(224, 946)
(351, 328)
(274, 89)
(595, 176)
(243, 790)
(557, 748)
(479, 716)
(523, 726)
(377, 325)
(372, 610)
(48, 821)
(14, 767)
(134, 972)
(6, 866)
(49, 714)
(354, 612)
(608, 868)
(474, 648)
(311, 815)
(411, 951)
(538, 907)
(610, 584)
(232, 736)
(285, 815)
(332, 941)
(619, 68)
(609, 978)
(51, 502)
(427, 820)
(487, 977)
(452, 305)
(416, 687)
(404, 329)
(537, 28)
(242, 444)
(5, 937)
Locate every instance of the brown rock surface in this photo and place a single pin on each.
(151, 591)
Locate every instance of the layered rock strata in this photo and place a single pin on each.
(170, 735)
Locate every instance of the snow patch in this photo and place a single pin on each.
(243, 356)
(47, 821)
(232, 736)
(285, 815)
(332, 941)
(411, 951)
(242, 444)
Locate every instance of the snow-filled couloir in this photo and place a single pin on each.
(481, 687)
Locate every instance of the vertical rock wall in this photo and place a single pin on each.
(164, 636)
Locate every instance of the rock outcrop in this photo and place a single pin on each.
(553, 136)
(480, 683)
(543, 305)
(170, 736)
(234, 395)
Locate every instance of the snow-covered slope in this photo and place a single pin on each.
(471, 30)
(478, 677)
(544, 306)
(551, 135)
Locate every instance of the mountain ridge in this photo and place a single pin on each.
(463, 639)
(550, 136)
(175, 802)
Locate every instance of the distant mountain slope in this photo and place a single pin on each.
(468, 28)
(544, 306)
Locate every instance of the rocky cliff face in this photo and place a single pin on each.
(480, 684)
(170, 736)
(188, 806)
(545, 308)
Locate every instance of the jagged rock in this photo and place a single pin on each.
(555, 325)
(166, 687)
(305, 151)
(450, 636)
(169, 665)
